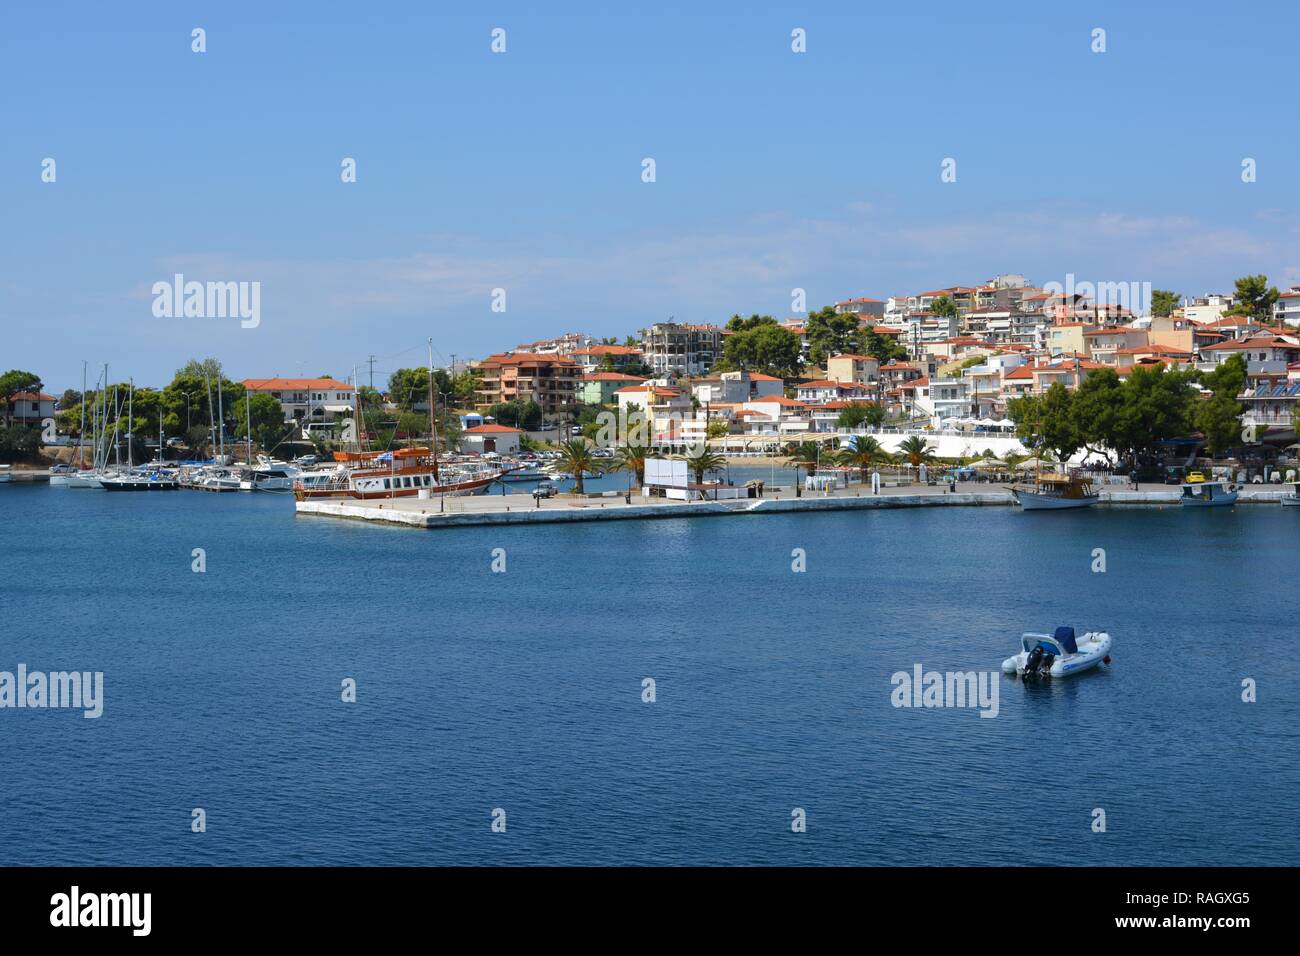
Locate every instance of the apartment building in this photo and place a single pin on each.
(680, 347)
(595, 357)
(866, 307)
(551, 381)
(851, 368)
(1207, 308)
(1103, 344)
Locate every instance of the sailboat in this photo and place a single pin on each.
(89, 478)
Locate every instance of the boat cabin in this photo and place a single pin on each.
(1208, 491)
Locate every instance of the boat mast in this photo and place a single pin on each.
(130, 423)
(81, 433)
(221, 421)
(433, 418)
(248, 423)
(117, 423)
(208, 382)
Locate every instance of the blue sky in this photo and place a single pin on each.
(522, 170)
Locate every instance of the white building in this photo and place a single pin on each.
(485, 438)
(1208, 308)
(1287, 306)
(308, 400)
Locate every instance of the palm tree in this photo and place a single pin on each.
(916, 450)
(577, 459)
(703, 460)
(864, 453)
(805, 455)
(631, 457)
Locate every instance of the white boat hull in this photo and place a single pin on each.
(1093, 648)
(1033, 501)
(1291, 501)
(1230, 498)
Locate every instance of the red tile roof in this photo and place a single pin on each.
(294, 384)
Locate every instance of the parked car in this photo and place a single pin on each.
(1195, 477)
(307, 460)
(544, 489)
(175, 442)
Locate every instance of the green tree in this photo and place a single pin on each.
(408, 387)
(185, 399)
(518, 413)
(1163, 302)
(830, 333)
(19, 443)
(1095, 409)
(883, 348)
(1228, 377)
(267, 419)
(916, 450)
(576, 457)
(1254, 298)
(702, 460)
(864, 454)
(13, 382)
(944, 306)
(1156, 405)
(631, 458)
(760, 344)
(1047, 422)
(805, 455)
(860, 413)
(1218, 418)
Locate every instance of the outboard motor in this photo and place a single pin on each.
(1045, 668)
(1039, 664)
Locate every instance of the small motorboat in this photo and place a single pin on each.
(1209, 494)
(1058, 655)
(1293, 499)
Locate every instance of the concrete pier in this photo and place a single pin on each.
(519, 509)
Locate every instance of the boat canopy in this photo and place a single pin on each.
(373, 455)
(1046, 642)
(1060, 643)
(1065, 637)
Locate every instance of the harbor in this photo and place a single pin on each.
(453, 512)
(771, 684)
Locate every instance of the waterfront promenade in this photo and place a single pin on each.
(520, 509)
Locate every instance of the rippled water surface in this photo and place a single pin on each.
(523, 690)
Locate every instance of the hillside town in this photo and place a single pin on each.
(971, 368)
